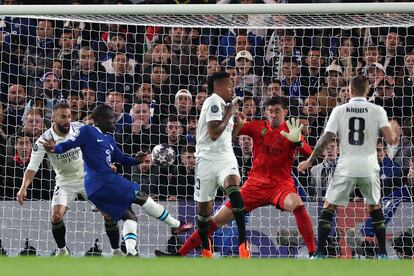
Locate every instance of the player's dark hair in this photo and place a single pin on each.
(359, 85)
(216, 76)
(61, 105)
(102, 111)
(277, 100)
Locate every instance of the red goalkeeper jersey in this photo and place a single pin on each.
(273, 153)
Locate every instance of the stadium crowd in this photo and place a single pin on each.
(156, 80)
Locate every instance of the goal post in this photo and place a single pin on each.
(151, 64)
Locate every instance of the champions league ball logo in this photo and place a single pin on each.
(163, 155)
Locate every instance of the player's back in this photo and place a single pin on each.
(213, 110)
(358, 125)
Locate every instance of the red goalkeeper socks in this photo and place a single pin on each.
(194, 240)
(304, 224)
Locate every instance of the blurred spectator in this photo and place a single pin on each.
(236, 40)
(16, 100)
(316, 121)
(346, 58)
(385, 96)
(120, 80)
(248, 81)
(41, 187)
(116, 101)
(322, 173)
(89, 74)
(50, 94)
(313, 71)
(183, 106)
(371, 55)
(328, 95)
(145, 175)
(33, 123)
(199, 100)
(173, 134)
(281, 44)
(291, 83)
(343, 96)
(77, 106)
(39, 54)
(402, 150)
(390, 172)
(145, 94)
(143, 135)
(250, 109)
(3, 146)
(191, 130)
(89, 96)
(244, 154)
(394, 53)
(184, 175)
(68, 53)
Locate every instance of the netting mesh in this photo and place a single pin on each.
(153, 71)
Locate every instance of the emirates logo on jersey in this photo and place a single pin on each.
(263, 131)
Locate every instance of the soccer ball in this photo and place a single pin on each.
(163, 155)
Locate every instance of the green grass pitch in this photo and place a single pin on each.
(30, 266)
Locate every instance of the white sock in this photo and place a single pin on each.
(129, 233)
(156, 210)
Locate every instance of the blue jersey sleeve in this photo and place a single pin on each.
(119, 157)
(78, 140)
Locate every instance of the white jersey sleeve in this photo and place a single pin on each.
(38, 153)
(332, 124)
(214, 110)
(382, 118)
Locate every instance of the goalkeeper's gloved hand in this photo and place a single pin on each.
(295, 131)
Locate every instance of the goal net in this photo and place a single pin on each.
(152, 65)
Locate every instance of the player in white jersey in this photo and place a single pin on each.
(216, 164)
(69, 177)
(357, 125)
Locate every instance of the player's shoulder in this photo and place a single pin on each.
(76, 125)
(47, 135)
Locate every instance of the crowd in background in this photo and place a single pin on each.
(156, 80)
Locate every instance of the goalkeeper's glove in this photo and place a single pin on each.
(295, 131)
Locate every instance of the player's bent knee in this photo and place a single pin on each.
(141, 198)
(231, 180)
(129, 215)
(57, 217)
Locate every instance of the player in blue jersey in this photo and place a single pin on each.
(110, 192)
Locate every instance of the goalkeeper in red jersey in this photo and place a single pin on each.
(275, 143)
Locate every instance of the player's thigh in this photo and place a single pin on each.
(223, 216)
(64, 196)
(228, 172)
(206, 181)
(291, 201)
(339, 190)
(370, 188)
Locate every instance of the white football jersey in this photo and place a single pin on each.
(357, 125)
(68, 166)
(213, 110)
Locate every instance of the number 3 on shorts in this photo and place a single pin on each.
(197, 184)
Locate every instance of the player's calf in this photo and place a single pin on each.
(237, 204)
(129, 232)
(324, 227)
(378, 225)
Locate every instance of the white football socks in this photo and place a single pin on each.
(157, 211)
(129, 233)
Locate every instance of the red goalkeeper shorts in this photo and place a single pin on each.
(257, 193)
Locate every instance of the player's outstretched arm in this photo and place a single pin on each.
(27, 180)
(322, 143)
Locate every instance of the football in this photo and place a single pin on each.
(163, 155)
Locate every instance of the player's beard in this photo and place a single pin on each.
(62, 129)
